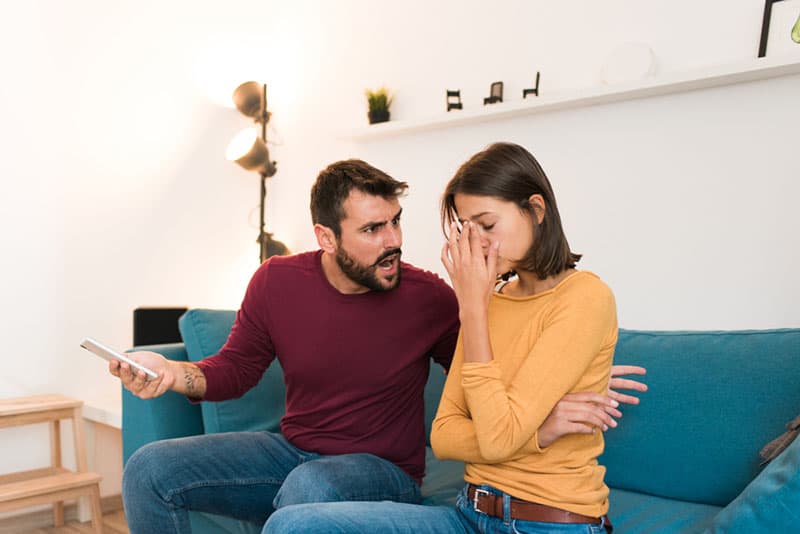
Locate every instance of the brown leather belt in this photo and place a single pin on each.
(491, 504)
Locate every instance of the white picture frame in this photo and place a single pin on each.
(784, 15)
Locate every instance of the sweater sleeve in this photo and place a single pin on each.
(248, 351)
(453, 435)
(481, 420)
(506, 417)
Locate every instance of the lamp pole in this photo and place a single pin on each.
(263, 237)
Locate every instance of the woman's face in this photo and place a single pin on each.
(497, 220)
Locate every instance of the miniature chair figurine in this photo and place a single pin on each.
(454, 100)
(495, 94)
(534, 91)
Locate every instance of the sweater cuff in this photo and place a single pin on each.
(479, 370)
(535, 443)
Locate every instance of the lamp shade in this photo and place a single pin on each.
(249, 99)
(251, 152)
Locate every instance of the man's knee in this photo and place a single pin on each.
(311, 482)
(143, 467)
(350, 477)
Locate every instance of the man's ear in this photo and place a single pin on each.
(326, 239)
(538, 205)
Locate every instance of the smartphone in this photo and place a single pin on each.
(109, 354)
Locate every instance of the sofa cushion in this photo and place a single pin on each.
(771, 502)
(637, 513)
(698, 430)
(204, 332)
(443, 480)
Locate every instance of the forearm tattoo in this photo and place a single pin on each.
(194, 380)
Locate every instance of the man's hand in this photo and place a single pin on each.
(582, 413)
(137, 381)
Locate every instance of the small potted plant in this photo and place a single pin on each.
(379, 101)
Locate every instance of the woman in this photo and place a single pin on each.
(524, 344)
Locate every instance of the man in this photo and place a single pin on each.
(354, 329)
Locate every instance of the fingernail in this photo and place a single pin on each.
(614, 403)
(605, 427)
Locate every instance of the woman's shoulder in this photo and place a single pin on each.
(583, 284)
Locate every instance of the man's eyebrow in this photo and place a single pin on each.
(378, 224)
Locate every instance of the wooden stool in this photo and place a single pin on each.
(53, 484)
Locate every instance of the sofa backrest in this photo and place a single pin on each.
(205, 331)
(715, 398)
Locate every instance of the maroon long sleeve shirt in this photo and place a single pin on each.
(355, 366)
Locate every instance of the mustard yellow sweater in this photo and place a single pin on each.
(544, 346)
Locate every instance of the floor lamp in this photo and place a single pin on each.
(249, 149)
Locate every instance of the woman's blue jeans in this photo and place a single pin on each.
(247, 475)
(397, 518)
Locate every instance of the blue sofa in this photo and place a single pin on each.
(684, 460)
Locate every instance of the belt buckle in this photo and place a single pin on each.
(478, 493)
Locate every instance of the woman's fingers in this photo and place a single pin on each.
(491, 260)
(452, 241)
(622, 398)
(624, 383)
(618, 370)
(446, 261)
(464, 241)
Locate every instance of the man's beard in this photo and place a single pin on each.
(365, 275)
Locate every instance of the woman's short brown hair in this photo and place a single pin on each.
(509, 172)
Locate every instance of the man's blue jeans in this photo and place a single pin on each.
(247, 475)
(398, 518)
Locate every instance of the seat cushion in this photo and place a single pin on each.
(204, 332)
(638, 513)
(443, 480)
(714, 399)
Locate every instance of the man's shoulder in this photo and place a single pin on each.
(302, 261)
(417, 277)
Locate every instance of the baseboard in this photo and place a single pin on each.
(44, 518)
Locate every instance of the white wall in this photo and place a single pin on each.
(116, 193)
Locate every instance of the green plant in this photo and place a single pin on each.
(378, 99)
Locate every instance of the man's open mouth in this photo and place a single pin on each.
(388, 262)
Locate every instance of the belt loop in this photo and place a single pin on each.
(506, 508)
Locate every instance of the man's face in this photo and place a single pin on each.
(368, 251)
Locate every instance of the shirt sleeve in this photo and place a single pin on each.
(447, 305)
(248, 351)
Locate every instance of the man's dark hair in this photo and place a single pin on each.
(509, 172)
(334, 184)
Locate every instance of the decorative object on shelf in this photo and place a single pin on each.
(249, 149)
(495, 94)
(628, 62)
(453, 100)
(379, 101)
(780, 28)
(534, 90)
(796, 30)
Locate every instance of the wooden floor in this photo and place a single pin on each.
(113, 523)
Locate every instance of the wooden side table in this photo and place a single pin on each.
(53, 484)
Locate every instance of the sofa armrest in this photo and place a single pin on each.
(168, 416)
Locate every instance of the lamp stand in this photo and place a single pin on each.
(263, 237)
